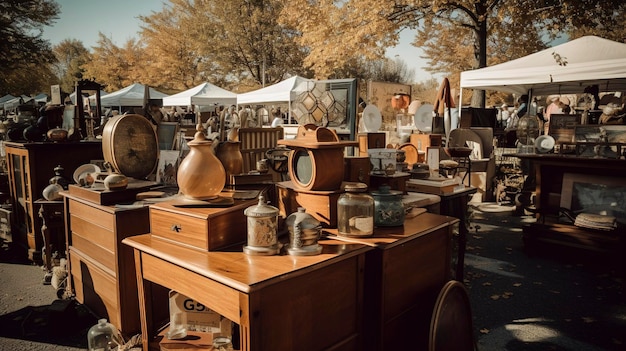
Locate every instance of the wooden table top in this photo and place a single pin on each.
(248, 273)
(238, 270)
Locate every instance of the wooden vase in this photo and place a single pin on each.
(201, 174)
(229, 154)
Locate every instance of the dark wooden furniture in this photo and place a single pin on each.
(31, 165)
(455, 205)
(53, 234)
(403, 276)
(280, 302)
(101, 269)
(547, 171)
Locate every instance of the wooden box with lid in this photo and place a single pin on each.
(206, 228)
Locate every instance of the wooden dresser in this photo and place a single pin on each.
(102, 270)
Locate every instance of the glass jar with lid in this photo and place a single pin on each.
(355, 211)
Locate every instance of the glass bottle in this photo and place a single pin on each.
(104, 337)
(355, 211)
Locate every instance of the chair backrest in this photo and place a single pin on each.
(255, 142)
(481, 135)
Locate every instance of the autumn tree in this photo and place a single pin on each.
(116, 67)
(22, 47)
(456, 35)
(70, 55)
(237, 42)
(177, 58)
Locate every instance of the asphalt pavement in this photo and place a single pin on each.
(545, 301)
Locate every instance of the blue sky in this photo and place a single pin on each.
(119, 21)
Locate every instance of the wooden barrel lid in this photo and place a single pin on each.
(130, 145)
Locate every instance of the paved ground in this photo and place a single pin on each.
(539, 302)
(519, 302)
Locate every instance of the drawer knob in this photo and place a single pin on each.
(176, 228)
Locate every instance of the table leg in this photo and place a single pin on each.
(145, 304)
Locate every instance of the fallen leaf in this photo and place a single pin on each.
(589, 319)
(495, 297)
(486, 284)
(554, 291)
(517, 284)
(509, 248)
(484, 331)
(477, 237)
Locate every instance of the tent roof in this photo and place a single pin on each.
(132, 95)
(6, 98)
(585, 61)
(203, 94)
(283, 91)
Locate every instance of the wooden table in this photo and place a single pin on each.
(455, 204)
(279, 302)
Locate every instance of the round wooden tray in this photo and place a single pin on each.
(130, 145)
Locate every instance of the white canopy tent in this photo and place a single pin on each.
(563, 69)
(284, 91)
(73, 96)
(201, 95)
(132, 95)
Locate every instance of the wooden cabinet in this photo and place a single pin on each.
(549, 173)
(102, 270)
(403, 276)
(31, 165)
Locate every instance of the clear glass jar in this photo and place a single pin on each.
(355, 211)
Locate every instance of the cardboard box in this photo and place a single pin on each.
(202, 325)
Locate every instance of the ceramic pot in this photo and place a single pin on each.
(229, 154)
(201, 174)
(388, 207)
(304, 232)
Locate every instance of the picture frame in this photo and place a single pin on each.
(167, 167)
(167, 133)
(594, 194)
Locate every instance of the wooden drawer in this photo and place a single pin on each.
(92, 215)
(205, 228)
(95, 287)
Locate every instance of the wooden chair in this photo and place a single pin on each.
(255, 142)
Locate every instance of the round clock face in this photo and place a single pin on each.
(130, 145)
(303, 167)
